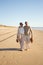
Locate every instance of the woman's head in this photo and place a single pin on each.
(21, 24)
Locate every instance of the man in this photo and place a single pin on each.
(27, 34)
(20, 36)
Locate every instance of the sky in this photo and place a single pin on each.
(12, 12)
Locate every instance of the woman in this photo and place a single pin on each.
(20, 36)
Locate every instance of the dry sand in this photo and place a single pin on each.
(9, 48)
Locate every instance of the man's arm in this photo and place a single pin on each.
(31, 32)
(31, 35)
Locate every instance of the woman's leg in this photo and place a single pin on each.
(22, 42)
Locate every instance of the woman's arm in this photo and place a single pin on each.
(17, 39)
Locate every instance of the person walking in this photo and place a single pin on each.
(27, 35)
(20, 36)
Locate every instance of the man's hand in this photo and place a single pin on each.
(31, 39)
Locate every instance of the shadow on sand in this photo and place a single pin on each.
(9, 49)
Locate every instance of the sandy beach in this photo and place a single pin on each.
(9, 48)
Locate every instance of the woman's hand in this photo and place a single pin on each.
(17, 40)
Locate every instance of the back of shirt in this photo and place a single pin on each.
(26, 30)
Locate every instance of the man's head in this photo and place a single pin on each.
(21, 24)
(26, 23)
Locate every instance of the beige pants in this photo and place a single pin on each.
(27, 40)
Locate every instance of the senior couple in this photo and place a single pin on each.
(24, 34)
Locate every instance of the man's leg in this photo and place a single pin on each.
(27, 42)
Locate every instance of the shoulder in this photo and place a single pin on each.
(24, 27)
(18, 28)
(28, 27)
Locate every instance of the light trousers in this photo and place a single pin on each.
(22, 41)
(27, 40)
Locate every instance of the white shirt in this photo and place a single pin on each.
(21, 30)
